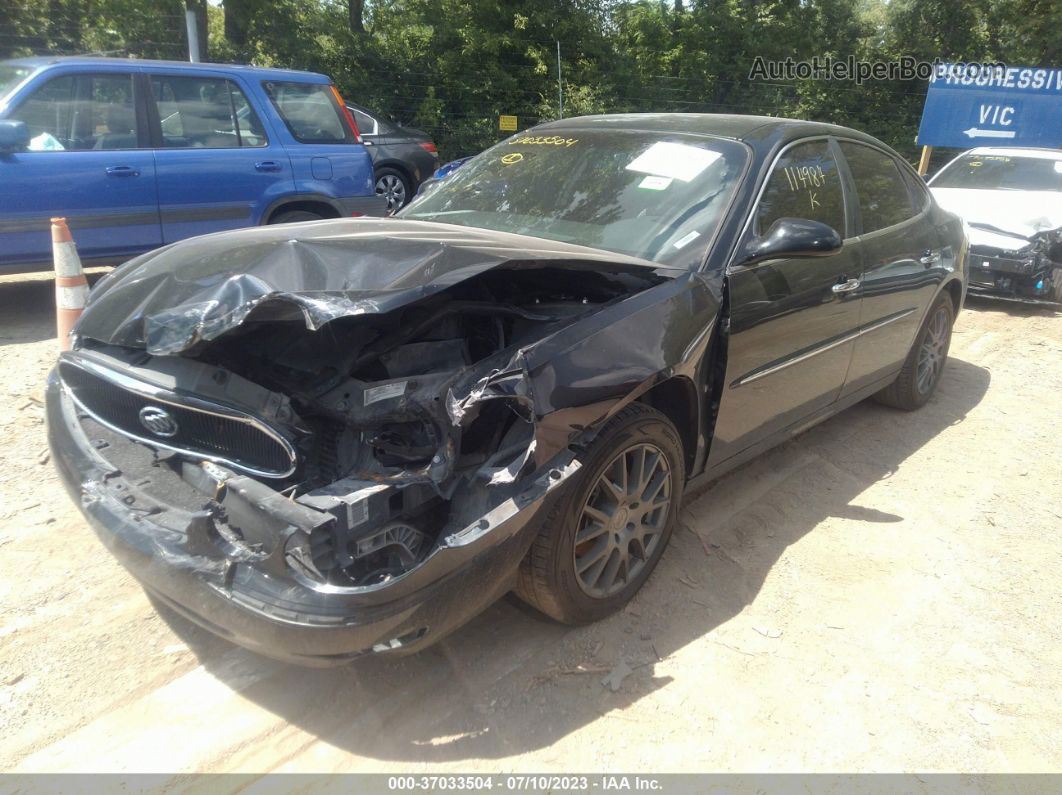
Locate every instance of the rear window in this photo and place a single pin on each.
(310, 112)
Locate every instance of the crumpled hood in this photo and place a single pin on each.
(170, 299)
(1022, 212)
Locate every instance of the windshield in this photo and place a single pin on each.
(651, 195)
(11, 76)
(1001, 172)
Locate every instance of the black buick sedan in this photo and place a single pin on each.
(350, 436)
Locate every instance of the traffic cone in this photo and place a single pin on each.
(71, 287)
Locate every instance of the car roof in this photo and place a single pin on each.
(725, 125)
(43, 61)
(1011, 151)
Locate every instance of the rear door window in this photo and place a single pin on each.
(81, 112)
(804, 184)
(205, 113)
(884, 197)
(310, 112)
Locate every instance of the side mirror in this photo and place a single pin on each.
(14, 135)
(793, 237)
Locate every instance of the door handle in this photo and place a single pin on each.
(122, 171)
(267, 165)
(929, 258)
(846, 287)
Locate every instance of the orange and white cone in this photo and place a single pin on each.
(71, 287)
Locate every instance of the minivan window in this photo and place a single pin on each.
(804, 184)
(78, 113)
(884, 199)
(204, 113)
(310, 112)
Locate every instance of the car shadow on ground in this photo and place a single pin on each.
(27, 306)
(481, 692)
(983, 303)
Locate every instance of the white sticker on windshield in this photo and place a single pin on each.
(685, 241)
(1058, 166)
(377, 393)
(655, 183)
(678, 161)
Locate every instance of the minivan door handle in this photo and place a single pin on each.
(929, 258)
(122, 171)
(847, 286)
(267, 165)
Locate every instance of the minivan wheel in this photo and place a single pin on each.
(294, 216)
(605, 533)
(394, 187)
(924, 365)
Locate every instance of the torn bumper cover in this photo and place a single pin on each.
(255, 599)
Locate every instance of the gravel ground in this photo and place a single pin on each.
(879, 594)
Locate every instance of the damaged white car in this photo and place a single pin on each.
(1011, 200)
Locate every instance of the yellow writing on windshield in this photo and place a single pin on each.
(543, 140)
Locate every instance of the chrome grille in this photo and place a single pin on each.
(215, 433)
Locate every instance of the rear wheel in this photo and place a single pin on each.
(604, 535)
(294, 216)
(925, 362)
(394, 187)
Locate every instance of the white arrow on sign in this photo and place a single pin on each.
(974, 132)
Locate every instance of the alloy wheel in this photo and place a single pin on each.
(393, 190)
(933, 352)
(622, 520)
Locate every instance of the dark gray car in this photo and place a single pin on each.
(351, 436)
(401, 157)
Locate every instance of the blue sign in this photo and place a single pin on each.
(992, 105)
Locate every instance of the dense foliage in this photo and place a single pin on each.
(452, 66)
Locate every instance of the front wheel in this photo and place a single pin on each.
(603, 536)
(924, 364)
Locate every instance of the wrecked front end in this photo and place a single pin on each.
(1014, 267)
(319, 473)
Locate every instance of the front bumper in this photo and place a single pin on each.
(282, 616)
(1012, 278)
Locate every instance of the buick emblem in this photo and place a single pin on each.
(159, 421)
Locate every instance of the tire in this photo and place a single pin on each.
(294, 216)
(548, 579)
(909, 391)
(395, 187)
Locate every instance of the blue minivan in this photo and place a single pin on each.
(138, 154)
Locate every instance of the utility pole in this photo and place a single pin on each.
(560, 85)
(191, 24)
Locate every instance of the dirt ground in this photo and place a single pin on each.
(880, 594)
